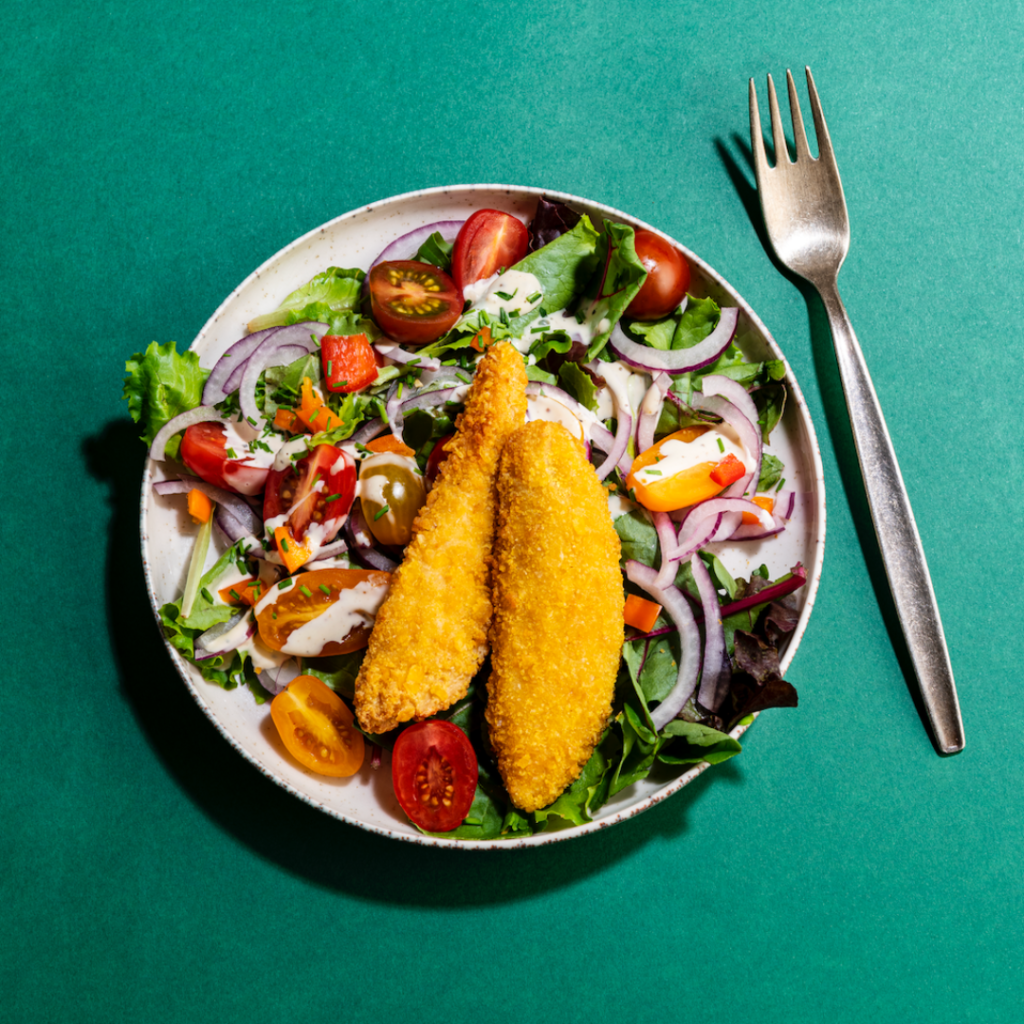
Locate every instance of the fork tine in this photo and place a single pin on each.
(799, 135)
(820, 128)
(756, 138)
(778, 134)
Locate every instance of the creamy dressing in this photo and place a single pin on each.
(289, 453)
(262, 656)
(241, 437)
(521, 286)
(678, 456)
(619, 506)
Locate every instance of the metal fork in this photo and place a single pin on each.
(805, 214)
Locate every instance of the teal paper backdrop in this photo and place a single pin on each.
(151, 156)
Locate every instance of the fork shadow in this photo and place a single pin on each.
(298, 838)
(741, 174)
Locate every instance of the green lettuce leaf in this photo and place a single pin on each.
(161, 384)
(335, 291)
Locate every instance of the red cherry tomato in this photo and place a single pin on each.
(349, 362)
(488, 241)
(413, 302)
(668, 277)
(434, 771)
(295, 491)
(204, 451)
(437, 456)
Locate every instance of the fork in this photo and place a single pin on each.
(805, 214)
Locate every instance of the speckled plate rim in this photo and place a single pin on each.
(611, 815)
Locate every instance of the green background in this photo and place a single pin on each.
(151, 156)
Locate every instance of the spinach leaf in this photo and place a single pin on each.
(614, 285)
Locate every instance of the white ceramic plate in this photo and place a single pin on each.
(355, 239)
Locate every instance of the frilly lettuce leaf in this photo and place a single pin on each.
(335, 291)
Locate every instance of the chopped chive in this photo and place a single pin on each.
(273, 615)
(332, 497)
(653, 472)
(231, 453)
(501, 270)
(330, 363)
(326, 589)
(782, 483)
(314, 416)
(383, 512)
(503, 315)
(543, 312)
(580, 316)
(284, 545)
(401, 388)
(285, 584)
(235, 594)
(252, 422)
(462, 377)
(506, 296)
(721, 447)
(534, 297)
(305, 590)
(206, 595)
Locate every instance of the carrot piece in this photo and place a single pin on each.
(389, 443)
(200, 508)
(728, 471)
(293, 554)
(482, 340)
(313, 412)
(765, 501)
(243, 592)
(288, 419)
(640, 613)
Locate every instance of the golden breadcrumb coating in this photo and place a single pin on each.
(558, 628)
(430, 636)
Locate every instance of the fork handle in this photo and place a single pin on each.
(896, 530)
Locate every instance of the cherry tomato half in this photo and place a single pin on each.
(488, 241)
(204, 451)
(349, 362)
(413, 302)
(297, 491)
(434, 771)
(668, 277)
(307, 597)
(391, 493)
(317, 728)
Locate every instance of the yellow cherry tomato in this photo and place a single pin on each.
(317, 728)
(679, 489)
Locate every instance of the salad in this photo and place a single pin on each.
(306, 451)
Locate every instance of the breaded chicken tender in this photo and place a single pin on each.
(558, 628)
(430, 635)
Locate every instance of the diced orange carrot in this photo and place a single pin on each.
(765, 501)
(640, 613)
(728, 471)
(243, 592)
(200, 508)
(482, 340)
(293, 554)
(288, 419)
(313, 412)
(389, 443)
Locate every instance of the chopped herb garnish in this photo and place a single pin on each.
(326, 589)
(506, 296)
(484, 318)
(721, 446)
(330, 363)
(206, 595)
(332, 497)
(543, 312)
(235, 594)
(401, 387)
(284, 545)
(252, 422)
(652, 472)
(305, 590)
(534, 297)
(285, 584)
(782, 483)
(230, 452)
(383, 512)
(503, 315)
(462, 377)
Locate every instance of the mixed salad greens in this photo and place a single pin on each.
(309, 447)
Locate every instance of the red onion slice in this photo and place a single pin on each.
(368, 431)
(362, 542)
(200, 414)
(623, 425)
(604, 440)
(280, 348)
(277, 678)
(716, 673)
(677, 608)
(677, 360)
(650, 411)
(406, 247)
(222, 637)
(234, 505)
(392, 350)
(231, 365)
(694, 533)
